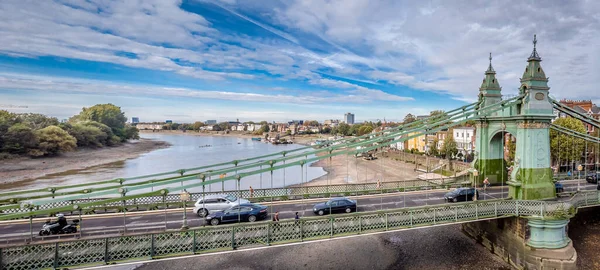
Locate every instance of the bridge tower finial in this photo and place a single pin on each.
(534, 55)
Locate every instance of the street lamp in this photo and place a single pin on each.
(184, 196)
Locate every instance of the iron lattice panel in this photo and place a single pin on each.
(529, 208)
(129, 247)
(28, 257)
(375, 222)
(445, 214)
(338, 188)
(213, 239)
(317, 228)
(285, 231)
(423, 217)
(81, 252)
(173, 243)
(346, 225)
(486, 209)
(506, 207)
(466, 212)
(251, 235)
(399, 219)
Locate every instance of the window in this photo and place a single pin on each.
(207, 201)
(467, 135)
(246, 209)
(456, 134)
(334, 203)
(342, 203)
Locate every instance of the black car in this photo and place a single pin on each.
(244, 212)
(592, 178)
(461, 194)
(335, 205)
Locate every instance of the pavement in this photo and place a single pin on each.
(16, 232)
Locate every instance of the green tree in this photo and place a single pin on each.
(109, 115)
(37, 121)
(197, 125)
(52, 141)
(409, 118)
(364, 130)
(433, 147)
(88, 135)
(343, 129)
(564, 147)
(353, 129)
(326, 130)
(449, 148)
(19, 139)
(7, 120)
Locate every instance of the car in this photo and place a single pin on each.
(216, 202)
(335, 205)
(244, 212)
(592, 178)
(559, 187)
(461, 194)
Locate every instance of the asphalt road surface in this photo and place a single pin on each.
(137, 222)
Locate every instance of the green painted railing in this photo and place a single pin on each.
(257, 195)
(95, 251)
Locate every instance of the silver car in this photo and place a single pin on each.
(212, 203)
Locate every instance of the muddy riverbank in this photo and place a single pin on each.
(21, 169)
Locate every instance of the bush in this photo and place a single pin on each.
(52, 141)
(88, 135)
(19, 139)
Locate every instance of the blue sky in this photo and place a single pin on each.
(282, 60)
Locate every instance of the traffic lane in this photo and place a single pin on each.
(170, 220)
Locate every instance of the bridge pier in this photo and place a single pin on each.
(526, 243)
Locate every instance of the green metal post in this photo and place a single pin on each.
(434, 216)
(331, 227)
(268, 234)
(476, 211)
(56, 255)
(359, 224)
(194, 242)
(232, 237)
(456, 213)
(411, 218)
(386, 222)
(152, 246)
(106, 258)
(496, 209)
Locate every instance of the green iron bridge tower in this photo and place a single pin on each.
(531, 177)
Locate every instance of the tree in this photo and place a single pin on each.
(343, 129)
(364, 130)
(37, 121)
(567, 148)
(52, 141)
(197, 125)
(409, 118)
(7, 120)
(512, 147)
(109, 115)
(449, 148)
(88, 135)
(353, 129)
(223, 126)
(19, 139)
(326, 130)
(433, 147)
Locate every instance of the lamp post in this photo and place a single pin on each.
(185, 196)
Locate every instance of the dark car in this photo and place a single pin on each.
(592, 178)
(335, 205)
(461, 194)
(244, 212)
(559, 187)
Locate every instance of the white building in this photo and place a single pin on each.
(399, 145)
(465, 139)
(149, 126)
(349, 118)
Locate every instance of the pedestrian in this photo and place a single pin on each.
(276, 221)
(251, 192)
(486, 183)
(297, 219)
(378, 184)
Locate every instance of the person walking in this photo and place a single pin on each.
(251, 192)
(276, 221)
(486, 183)
(297, 219)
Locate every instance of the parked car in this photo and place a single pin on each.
(218, 202)
(461, 194)
(244, 212)
(559, 187)
(592, 178)
(335, 205)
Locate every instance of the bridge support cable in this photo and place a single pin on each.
(465, 117)
(212, 166)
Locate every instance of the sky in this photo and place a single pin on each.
(194, 60)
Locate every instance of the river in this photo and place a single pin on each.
(188, 152)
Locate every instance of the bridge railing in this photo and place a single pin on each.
(257, 195)
(211, 239)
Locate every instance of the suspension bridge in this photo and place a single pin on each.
(527, 192)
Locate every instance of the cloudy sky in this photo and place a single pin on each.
(282, 60)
